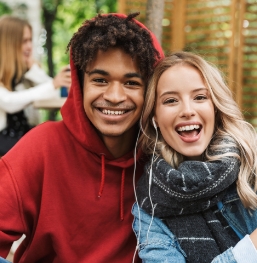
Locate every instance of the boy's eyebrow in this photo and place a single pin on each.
(98, 71)
(133, 74)
(105, 73)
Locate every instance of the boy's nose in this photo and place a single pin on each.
(115, 93)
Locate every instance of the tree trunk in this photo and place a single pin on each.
(154, 16)
(49, 15)
(49, 18)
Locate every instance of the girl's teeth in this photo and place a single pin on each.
(188, 127)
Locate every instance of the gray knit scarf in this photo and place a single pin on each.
(186, 199)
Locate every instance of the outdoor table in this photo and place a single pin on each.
(49, 104)
(53, 105)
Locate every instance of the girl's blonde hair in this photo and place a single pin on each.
(11, 36)
(229, 122)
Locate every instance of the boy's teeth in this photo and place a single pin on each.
(112, 112)
(188, 127)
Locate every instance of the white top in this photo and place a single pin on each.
(22, 98)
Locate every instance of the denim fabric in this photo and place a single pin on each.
(2, 260)
(158, 244)
(239, 218)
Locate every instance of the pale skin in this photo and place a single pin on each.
(184, 111)
(63, 77)
(183, 101)
(253, 237)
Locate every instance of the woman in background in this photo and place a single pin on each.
(22, 81)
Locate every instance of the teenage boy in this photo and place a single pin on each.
(68, 185)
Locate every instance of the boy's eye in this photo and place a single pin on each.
(170, 101)
(99, 80)
(132, 83)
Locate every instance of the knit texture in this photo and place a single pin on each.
(186, 199)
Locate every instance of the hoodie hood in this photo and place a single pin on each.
(77, 122)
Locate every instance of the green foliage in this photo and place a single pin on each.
(70, 16)
(50, 5)
(5, 9)
(106, 6)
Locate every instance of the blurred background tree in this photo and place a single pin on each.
(5, 9)
(154, 17)
(61, 19)
(49, 11)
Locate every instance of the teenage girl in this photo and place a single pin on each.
(196, 201)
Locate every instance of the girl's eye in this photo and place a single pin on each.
(201, 97)
(170, 101)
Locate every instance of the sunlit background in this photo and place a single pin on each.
(223, 31)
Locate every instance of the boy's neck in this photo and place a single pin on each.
(120, 145)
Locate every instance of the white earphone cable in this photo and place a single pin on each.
(151, 178)
(134, 187)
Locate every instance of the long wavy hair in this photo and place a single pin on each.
(229, 123)
(12, 67)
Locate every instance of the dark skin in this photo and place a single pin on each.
(113, 99)
(123, 92)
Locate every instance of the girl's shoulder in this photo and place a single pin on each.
(243, 219)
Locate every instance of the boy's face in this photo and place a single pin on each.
(113, 93)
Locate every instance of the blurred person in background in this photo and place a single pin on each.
(22, 81)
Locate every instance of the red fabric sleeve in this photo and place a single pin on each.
(11, 223)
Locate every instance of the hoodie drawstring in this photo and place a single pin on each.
(102, 177)
(122, 195)
(121, 186)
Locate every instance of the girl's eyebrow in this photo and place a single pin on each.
(170, 92)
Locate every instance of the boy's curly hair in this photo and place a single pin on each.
(105, 31)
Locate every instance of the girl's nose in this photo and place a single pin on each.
(187, 110)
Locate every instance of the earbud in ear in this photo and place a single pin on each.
(154, 124)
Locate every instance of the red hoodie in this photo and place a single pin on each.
(50, 184)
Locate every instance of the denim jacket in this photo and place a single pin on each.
(157, 244)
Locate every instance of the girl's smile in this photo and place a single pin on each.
(184, 110)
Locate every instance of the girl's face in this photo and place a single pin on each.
(184, 111)
(26, 47)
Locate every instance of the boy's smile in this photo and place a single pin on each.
(113, 95)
